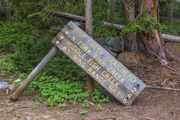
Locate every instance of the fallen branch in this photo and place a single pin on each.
(82, 19)
(171, 38)
(69, 16)
(117, 26)
(166, 37)
(162, 88)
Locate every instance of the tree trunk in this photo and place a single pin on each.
(131, 42)
(153, 41)
(8, 9)
(171, 11)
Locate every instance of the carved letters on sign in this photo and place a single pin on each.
(99, 64)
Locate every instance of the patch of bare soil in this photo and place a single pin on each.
(150, 105)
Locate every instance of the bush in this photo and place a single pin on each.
(15, 35)
(26, 42)
(173, 28)
(61, 82)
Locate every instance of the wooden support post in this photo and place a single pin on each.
(33, 74)
(89, 30)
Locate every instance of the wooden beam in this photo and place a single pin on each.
(33, 74)
(82, 19)
(68, 16)
(89, 30)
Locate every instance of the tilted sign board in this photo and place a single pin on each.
(99, 64)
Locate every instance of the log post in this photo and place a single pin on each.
(89, 30)
(131, 42)
(33, 74)
(171, 11)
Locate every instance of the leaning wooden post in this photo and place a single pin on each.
(89, 30)
(33, 74)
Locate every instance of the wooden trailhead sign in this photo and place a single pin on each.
(95, 60)
(99, 64)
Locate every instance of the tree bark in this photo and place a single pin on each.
(153, 41)
(89, 30)
(8, 10)
(131, 42)
(171, 11)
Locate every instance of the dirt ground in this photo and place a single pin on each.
(151, 104)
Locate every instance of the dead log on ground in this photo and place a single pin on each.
(170, 38)
(82, 19)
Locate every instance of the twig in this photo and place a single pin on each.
(162, 88)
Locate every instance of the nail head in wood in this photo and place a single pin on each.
(62, 37)
(67, 32)
(57, 42)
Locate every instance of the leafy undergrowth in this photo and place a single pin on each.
(64, 92)
(61, 83)
(67, 89)
(173, 29)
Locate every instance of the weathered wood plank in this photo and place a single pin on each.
(99, 64)
(14, 96)
(89, 30)
(84, 61)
